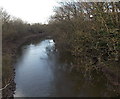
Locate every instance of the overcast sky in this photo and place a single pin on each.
(32, 11)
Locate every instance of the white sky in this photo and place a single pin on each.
(32, 11)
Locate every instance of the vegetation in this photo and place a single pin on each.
(14, 33)
(90, 33)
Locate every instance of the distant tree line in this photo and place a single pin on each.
(13, 31)
(13, 28)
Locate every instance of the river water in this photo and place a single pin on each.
(39, 74)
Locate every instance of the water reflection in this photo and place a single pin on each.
(33, 71)
(39, 74)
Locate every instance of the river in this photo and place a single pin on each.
(39, 73)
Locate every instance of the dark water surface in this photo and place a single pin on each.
(39, 74)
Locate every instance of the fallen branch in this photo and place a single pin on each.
(5, 87)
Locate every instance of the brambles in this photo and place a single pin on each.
(89, 31)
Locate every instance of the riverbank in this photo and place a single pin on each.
(109, 69)
(10, 49)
